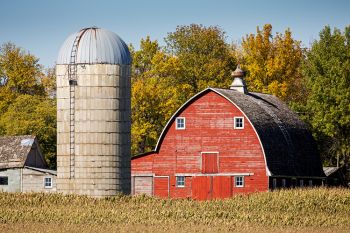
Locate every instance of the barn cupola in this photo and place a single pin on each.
(238, 83)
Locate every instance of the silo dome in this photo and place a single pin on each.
(95, 46)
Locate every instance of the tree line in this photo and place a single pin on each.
(314, 82)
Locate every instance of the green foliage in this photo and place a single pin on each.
(35, 116)
(297, 208)
(26, 103)
(194, 58)
(204, 57)
(273, 63)
(327, 72)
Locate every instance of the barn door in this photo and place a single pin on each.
(209, 163)
(201, 187)
(143, 185)
(222, 187)
(161, 186)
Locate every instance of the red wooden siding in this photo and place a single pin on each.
(209, 128)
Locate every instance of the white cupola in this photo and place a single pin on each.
(238, 83)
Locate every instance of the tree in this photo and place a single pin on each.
(327, 77)
(273, 63)
(194, 58)
(20, 71)
(27, 104)
(33, 115)
(204, 57)
(154, 102)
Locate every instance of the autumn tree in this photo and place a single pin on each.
(27, 105)
(327, 77)
(194, 58)
(273, 63)
(204, 57)
(33, 115)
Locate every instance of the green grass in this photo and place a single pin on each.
(302, 209)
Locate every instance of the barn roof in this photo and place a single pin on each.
(289, 147)
(14, 150)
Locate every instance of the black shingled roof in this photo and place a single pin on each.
(290, 149)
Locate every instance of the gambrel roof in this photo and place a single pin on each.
(288, 146)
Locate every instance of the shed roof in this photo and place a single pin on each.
(95, 46)
(330, 170)
(43, 170)
(14, 150)
(289, 147)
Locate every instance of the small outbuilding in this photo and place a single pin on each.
(336, 176)
(223, 142)
(23, 167)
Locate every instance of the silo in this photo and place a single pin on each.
(93, 114)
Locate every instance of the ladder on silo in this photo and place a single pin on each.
(72, 77)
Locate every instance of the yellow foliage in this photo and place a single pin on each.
(273, 63)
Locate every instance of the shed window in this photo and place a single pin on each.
(180, 123)
(239, 123)
(239, 181)
(180, 181)
(48, 182)
(4, 180)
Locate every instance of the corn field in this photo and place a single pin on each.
(320, 209)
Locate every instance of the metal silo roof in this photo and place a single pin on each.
(95, 46)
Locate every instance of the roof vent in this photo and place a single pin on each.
(238, 83)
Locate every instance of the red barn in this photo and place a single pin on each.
(222, 142)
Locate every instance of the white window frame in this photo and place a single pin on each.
(235, 121)
(184, 123)
(178, 181)
(240, 181)
(301, 183)
(48, 186)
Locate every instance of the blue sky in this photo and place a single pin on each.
(41, 26)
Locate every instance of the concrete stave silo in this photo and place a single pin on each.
(93, 114)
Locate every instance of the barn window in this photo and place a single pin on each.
(180, 181)
(301, 182)
(48, 182)
(274, 183)
(239, 181)
(180, 123)
(284, 184)
(239, 123)
(4, 180)
(310, 183)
